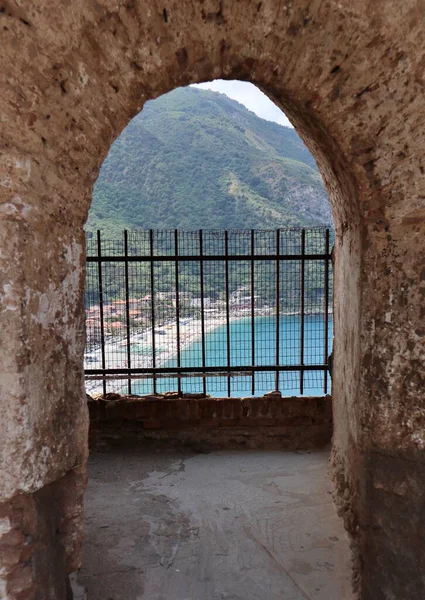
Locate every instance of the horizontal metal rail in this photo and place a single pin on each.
(109, 377)
(248, 369)
(132, 299)
(208, 257)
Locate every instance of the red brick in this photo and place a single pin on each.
(209, 423)
(228, 408)
(171, 409)
(237, 408)
(207, 409)
(265, 407)
(254, 407)
(297, 421)
(247, 422)
(292, 418)
(275, 406)
(219, 409)
(156, 424)
(229, 422)
(294, 406)
(193, 409)
(265, 422)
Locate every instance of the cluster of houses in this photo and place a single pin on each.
(139, 310)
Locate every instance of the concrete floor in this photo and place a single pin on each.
(234, 525)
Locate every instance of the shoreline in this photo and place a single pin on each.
(165, 344)
(190, 332)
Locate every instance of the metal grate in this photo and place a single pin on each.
(226, 312)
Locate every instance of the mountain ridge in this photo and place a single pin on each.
(197, 159)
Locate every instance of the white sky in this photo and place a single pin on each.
(247, 94)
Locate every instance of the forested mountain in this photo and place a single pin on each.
(197, 159)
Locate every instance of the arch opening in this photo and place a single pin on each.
(200, 162)
(166, 126)
(71, 259)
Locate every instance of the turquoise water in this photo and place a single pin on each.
(264, 354)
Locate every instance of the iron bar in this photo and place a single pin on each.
(102, 322)
(201, 275)
(169, 375)
(302, 309)
(252, 309)
(224, 369)
(153, 308)
(176, 271)
(277, 307)
(127, 306)
(207, 257)
(226, 252)
(326, 324)
(248, 289)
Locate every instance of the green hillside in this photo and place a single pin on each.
(197, 159)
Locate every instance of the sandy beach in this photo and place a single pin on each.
(141, 342)
(141, 346)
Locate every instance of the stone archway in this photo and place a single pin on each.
(351, 78)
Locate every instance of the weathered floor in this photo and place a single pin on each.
(234, 525)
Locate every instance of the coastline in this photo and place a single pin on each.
(165, 344)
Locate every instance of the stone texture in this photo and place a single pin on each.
(350, 75)
(266, 422)
(40, 540)
(226, 525)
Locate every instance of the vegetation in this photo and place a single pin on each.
(197, 159)
(214, 271)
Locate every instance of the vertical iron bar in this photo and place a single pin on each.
(102, 324)
(302, 310)
(277, 300)
(201, 274)
(127, 305)
(176, 248)
(326, 324)
(226, 252)
(152, 309)
(252, 314)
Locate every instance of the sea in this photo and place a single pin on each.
(242, 353)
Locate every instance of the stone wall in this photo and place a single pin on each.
(212, 423)
(41, 538)
(351, 77)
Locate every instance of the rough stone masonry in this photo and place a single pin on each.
(351, 76)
